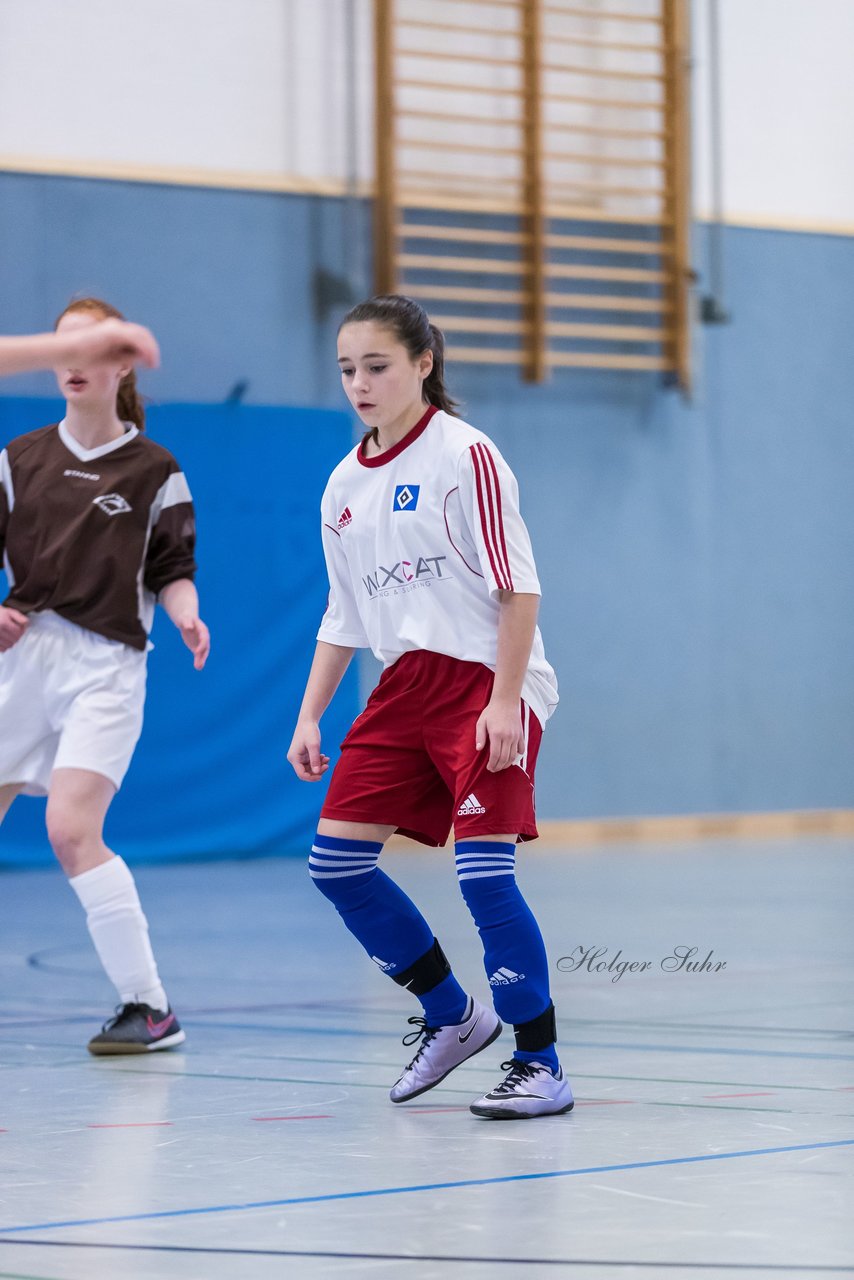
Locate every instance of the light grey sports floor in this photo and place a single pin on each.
(713, 1132)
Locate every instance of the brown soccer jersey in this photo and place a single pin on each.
(94, 534)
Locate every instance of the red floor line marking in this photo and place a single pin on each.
(428, 1111)
(604, 1102)
(766, 1094)
(845, 1088)
(292, 1118)
(136, 1124)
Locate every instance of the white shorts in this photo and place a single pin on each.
(69, 699)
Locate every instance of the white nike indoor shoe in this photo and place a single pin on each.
(530, 1089)
(443, 1048)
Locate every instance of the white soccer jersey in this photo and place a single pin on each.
(419, 540)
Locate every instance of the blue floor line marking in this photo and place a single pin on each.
(430, 1186)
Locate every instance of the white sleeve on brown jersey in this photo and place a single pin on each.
(7, 501)
(173, 534)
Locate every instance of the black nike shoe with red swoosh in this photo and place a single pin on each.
(137, 1028)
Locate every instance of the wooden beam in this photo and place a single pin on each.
(602, 360)
(619, 104)
(457, 117)
(385, 200)
(607, 188)
(556, 329)
(454, 293)
(535, 367)
(454, 86)
(599, 14)
(603, 161)
(492, 4)
(453, 28)
(678, 151)
(446, 56)
(604, 244)
(609, 332)
(447, 177)
(595, 42)
(606, 74)
(614, 303)
(428, 198)
(593, 244)
(558, 359)
(639, 275)
(445, 145)
(421, 231)
(605, 131)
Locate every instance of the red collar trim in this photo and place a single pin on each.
(380, 459)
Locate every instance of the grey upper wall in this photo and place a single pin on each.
(696, 558)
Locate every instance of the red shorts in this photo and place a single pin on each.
(410, 758)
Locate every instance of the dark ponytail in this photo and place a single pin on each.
(129, 406)
(408, 321)
(434, 384)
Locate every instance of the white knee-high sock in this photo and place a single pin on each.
(119, 931)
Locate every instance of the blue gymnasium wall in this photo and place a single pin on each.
(696, 559)
(210, 777)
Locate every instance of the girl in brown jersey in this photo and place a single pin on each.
(96, 525)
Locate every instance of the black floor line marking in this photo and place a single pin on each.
(344, 1255)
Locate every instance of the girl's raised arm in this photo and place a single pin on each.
(108, 340)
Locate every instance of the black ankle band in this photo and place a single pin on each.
(426, 973)
(539, 1033)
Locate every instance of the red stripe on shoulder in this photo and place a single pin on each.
(502, 541)
(492, 520)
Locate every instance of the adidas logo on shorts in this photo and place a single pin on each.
(470, 805)
(503, 978)
(383, 964)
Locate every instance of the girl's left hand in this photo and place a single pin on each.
(196, 637)
(501, 725)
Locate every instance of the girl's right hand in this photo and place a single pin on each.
(12, 626)
(304, 752)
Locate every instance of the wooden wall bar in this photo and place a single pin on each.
(553, 140)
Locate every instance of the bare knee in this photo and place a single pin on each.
(77, 843)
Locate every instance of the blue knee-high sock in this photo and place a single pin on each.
(382, 918)
(514, 954)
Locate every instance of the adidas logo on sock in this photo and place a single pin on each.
(503, 978)
(383, 964)
(470, 805)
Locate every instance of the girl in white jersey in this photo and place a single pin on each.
(430, 566)
(96, 523)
